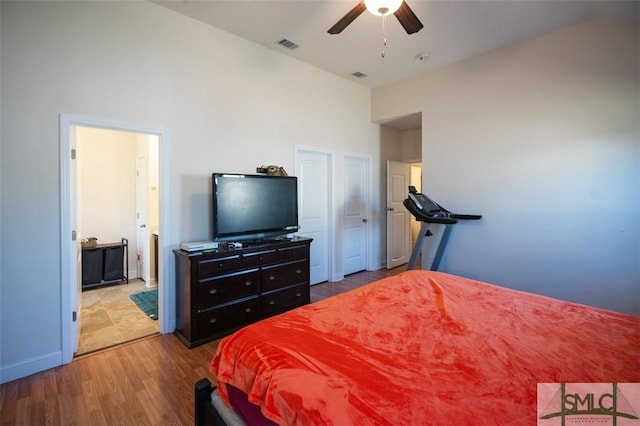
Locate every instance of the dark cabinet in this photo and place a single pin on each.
(105, 264)
(218, 292)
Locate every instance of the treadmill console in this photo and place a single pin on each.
(425, 209)
(425, 204)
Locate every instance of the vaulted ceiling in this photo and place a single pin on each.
(453, 30)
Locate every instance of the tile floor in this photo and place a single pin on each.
(109, 317)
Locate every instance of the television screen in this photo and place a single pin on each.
(253, 207)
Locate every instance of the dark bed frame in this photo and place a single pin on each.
(205, 413)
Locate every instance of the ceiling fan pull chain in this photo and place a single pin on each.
(384, 33)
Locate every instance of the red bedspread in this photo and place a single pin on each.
(424, 348)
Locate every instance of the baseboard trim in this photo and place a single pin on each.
(377, 266)
(31, 366)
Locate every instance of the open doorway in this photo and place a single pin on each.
(401, 157)
(117, 183)
(70, 241)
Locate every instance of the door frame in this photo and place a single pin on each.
(68, 225)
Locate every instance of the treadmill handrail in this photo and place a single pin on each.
(466, 216)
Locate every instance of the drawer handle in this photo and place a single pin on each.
(213, 320)
(247, 310)
(213, 291)
(298, 294)
(248, 283)
(220, 265)
(272, 302)
(298, 271)
(271, 278)
(293, 253)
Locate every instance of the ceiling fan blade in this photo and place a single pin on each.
(347, 19)
(408, 19)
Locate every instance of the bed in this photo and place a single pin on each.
(421, 347)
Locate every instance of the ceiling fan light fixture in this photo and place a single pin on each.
(382, 7)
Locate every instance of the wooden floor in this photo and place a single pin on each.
(147, 382)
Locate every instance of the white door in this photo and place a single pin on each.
(312, 169)
(355, 195)
(398, 217)
(142, 219)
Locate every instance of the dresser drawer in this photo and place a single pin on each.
(220, 265)
(222, 288)
(259, 258)
(279, 301)
(293, 253)
(284, 275)
(228, 317)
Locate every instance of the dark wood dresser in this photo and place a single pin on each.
(220, 291)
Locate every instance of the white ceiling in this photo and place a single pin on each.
(453, 30)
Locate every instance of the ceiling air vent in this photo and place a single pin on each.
(359, 74)
(287, 43)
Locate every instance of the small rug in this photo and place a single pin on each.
(148, 302)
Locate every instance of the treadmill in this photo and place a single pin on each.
(427, 211)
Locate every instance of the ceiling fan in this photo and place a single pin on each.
(399, 8)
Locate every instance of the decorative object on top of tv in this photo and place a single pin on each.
(272, 170)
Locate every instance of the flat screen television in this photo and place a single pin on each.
(253, 207)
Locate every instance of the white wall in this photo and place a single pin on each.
(227, 104)
(411, 142)
(543, 139)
